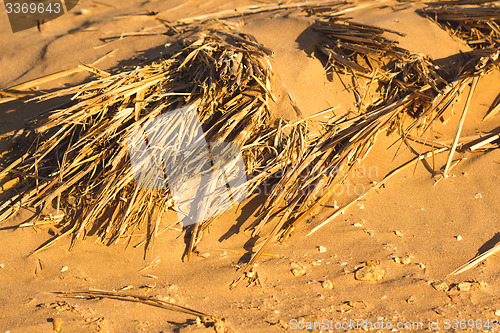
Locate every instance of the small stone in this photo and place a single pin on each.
(327, 284)
(478, 196)
(64, 268)
(398, 233)
(321, 249)
(56, 324)
(372, 262)
(357, 225)
(316, 263)
(482, 284)
(410, 300)
(298, 272)
(220, 326)
(2, 265)
(361, 206)
(283, 324)
(352, 304)
(464, 286)
(440, 286)
(459, 238)
(497, 313)
(335, 206)
(422, 266)
(198, 321)
(402, 260)
(204, 255)
(369, 273)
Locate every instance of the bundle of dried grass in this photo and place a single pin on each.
(73, 165)
(477, 22)
(412, 87)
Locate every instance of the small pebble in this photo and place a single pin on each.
(283, 324)
(327, 284)
(478, 196)
(410, 300)
(402, 260)
(422, 266)
(335, 206)
(497, 313)
(369, 273)
(64, 268)
(482, 284)
(204, 255)
(2, 265)
(321, 249)
(440, 285)
(361, 206)
(459, 238)
(298, 272)
(357, 225)
(464, 286)
(352, 304)
(316, 263)
(56, 324)
(398, 233)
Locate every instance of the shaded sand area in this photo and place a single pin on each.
(417, 230)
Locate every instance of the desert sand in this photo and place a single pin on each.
(435, 228)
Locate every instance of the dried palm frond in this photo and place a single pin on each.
(410, 85)
(476, 22)
(76, 160)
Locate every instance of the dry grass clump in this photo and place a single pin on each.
(73, 165)
(477, 22)
(414, 91)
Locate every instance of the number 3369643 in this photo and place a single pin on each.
(470, 324)
(39, 8)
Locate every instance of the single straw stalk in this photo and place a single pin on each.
(460, 125)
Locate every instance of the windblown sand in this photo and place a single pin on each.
(428, 218)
